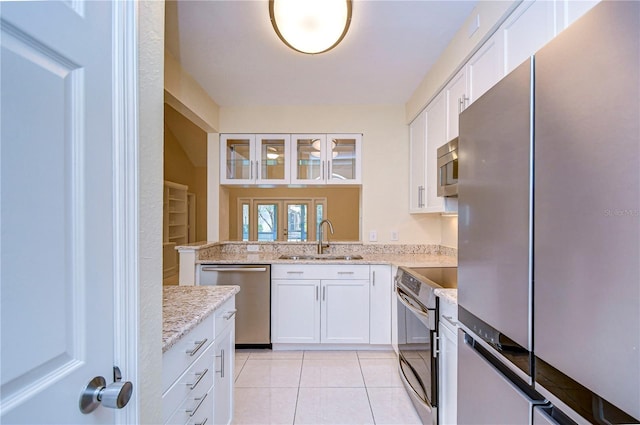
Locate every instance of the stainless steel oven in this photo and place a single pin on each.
(448, 169)
(417, 334)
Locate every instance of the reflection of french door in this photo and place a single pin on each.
(280, 219)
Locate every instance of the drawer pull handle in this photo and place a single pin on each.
(294, 272)
(345, 272)
(202, 423)
(229, 314)
(200, 400)
(200, 375)
(198, 347)
(221, 371)
(450, 320)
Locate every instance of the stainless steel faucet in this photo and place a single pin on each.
(322, 246)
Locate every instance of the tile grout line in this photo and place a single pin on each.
(295, 409)
(366, 389)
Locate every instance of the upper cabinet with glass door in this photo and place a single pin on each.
(326, 159)
(249, 159)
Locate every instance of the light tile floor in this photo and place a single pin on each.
(320, 387)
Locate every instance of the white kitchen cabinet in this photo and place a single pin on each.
(380, 300)
(344, 317)
(427, 133)
(417, 162)
(224, 350)
(529, 27)
(196, 389)
(457, 98)
(250, 159)
(570, 10)
(436, 137)
(295, 310)
(485, 68)
(326, 159)
(320, 304)
(448, 363)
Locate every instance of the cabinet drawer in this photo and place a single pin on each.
(179, 357)
(195, 410)
(224, 316)
(319, 271)
(448, 309)
(193, 383)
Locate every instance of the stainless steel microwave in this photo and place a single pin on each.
(448, 169)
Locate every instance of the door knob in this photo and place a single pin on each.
(114, 396)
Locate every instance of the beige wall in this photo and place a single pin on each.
(178, 168)
(385, 151)
(186, 96)
(343, 207)
(491, 14)
(450, 232)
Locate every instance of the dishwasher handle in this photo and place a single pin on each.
(234, 269)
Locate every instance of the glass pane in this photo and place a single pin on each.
(267, 222)
(245, 222)
(319, 215)
(343, 162)
(308, 156)
(273, 159)
(297, 222)
(238, 159)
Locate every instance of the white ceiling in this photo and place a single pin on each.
(232, 51)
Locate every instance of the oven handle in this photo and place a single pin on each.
(403, 299)
(408, 385)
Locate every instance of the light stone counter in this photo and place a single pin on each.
(396, 259)
(447, 295)
(184, 307)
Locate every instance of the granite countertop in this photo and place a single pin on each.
(447, 295)
(184, 307)
(407, 260)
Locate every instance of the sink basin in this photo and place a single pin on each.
(321, 257)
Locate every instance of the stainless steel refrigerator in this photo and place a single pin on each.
(549, 233)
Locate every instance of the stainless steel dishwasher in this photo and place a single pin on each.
(253, 319)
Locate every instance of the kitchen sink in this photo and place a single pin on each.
(321, 257)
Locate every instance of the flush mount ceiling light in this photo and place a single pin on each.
(310, 26)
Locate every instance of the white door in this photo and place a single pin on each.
(344, 315)
(57, 209)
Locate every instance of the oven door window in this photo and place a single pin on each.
(414, 344)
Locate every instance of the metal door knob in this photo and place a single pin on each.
(113, 396)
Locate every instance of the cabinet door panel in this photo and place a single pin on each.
(223, 376)
(486, 67)
(345, 311)
(417, 158)
(309, 153)
(448, 375)
(380, 297)
(272, 157)
(237, 159)
(295, 311)
(436, 137)
(530, 26)
(457, 97)
(344, 158)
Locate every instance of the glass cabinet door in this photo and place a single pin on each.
(237, 159)
(273, 158)
(343, 158)
(309, 155)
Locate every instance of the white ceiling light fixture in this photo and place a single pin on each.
(310, 26)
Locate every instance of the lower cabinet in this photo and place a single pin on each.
(448, 364)
(224, 348)
(328, 304)
(197, 374)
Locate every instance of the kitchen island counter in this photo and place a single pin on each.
(395, 259)
(184, 307)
